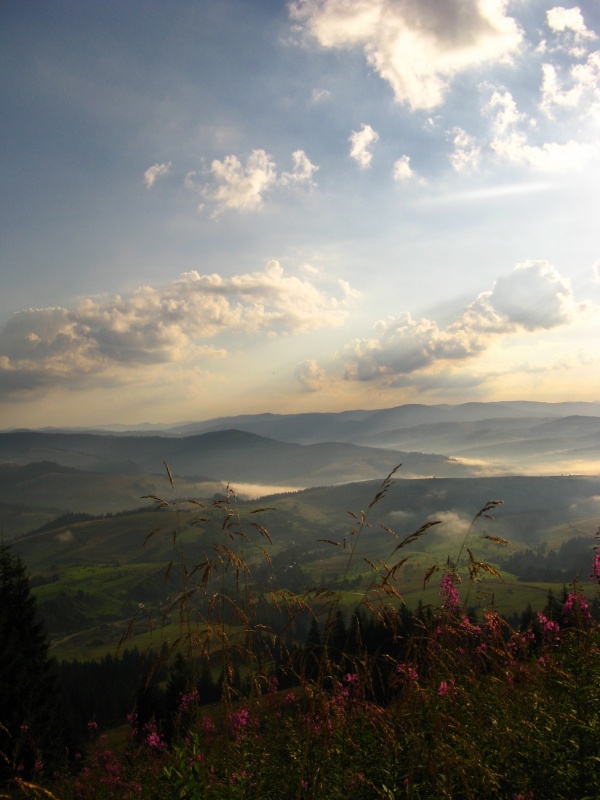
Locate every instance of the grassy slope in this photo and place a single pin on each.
(90, 577)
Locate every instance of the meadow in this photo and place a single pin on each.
(339, 688)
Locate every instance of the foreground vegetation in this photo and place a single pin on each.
(312, 703)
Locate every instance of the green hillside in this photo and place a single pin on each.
(92, 576)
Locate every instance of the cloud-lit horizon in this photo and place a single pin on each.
(315, 205)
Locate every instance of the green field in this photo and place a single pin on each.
(92, 577)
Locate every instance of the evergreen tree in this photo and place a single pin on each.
(32, 729)
(313, 650)
(338, 638)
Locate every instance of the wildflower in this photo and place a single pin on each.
(446, 687)
(576, 603)
(595, 576)
(547, 625)
(208, 726)
(239, 719)
(408, 671)
(133, 723)
(449, 592)
(492, 620)
(155, 742)
(188, 700)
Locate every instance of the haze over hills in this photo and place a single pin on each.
(227, 455)
(320, 466)
(486, 438)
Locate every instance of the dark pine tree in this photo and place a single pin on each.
(32, 733)
(313, 651)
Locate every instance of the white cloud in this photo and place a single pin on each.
(181, 321)
(155, 172)
(596, 270)
(562, 19)
(403, 171)
(504, 111)
(580, 90)
(467, 152)
(320, 95)
(533, 297)
(241, 187)
(309, 375)
(303, 170)
(513, 145)
(308, 269)
(348, 292)
(417, 46)
(548, 157)
(570, 32)
(360, 142)
(234, 186)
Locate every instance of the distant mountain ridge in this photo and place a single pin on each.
(308, 428)
(311, 427)
(308, 449)
(226, 455)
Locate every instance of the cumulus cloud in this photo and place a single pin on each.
(403, 172)
(159, 325)
(579, 90)
(155, 172)
(562, 19)
(242, 187)
(319, 95)
(417, 46)
(513, 145)
(309, 375)
(533, 297)
(302, 172)
(360, 142)
(467, 152)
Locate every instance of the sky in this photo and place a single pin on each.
(245, 206)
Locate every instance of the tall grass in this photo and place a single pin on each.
(390, 704)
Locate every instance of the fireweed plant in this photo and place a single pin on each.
(395, 704)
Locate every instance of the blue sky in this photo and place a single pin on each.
(251, 205)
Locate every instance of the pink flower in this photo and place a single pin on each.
(595, 576)
(547, 625)
(155, 742)
(446, 687)
(208, 726)
(575, 602)
(449, 592)
(410, 672)
(188, 700)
